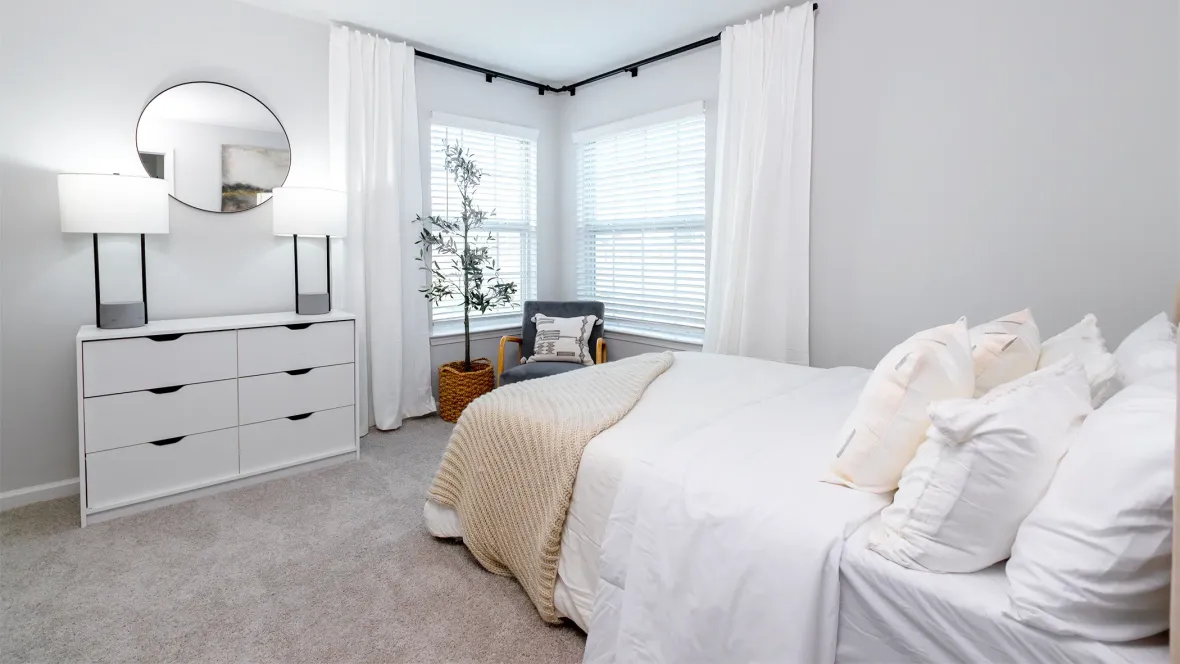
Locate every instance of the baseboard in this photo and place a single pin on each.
(35, 494)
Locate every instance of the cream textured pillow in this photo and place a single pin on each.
(980, 472)
(1004, 350)
(563, 339)
(1094, 557)
(1084, 341)
(890, 420)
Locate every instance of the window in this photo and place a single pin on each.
(507, 156)
(641, 222)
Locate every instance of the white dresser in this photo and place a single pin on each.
(167, 410)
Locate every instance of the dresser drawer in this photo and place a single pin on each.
(264, 350)
(142, 472)
(141, 363)
(120, 420)
(283, 442)
(272, 396)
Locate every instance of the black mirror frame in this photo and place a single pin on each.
(232, 87)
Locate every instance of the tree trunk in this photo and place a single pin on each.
(466, 302)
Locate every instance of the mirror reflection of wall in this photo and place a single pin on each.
(220, 149)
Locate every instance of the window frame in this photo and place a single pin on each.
(499, 319)
(697, 225)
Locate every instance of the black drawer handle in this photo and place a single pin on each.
(165, 390)
(300, 417)
(298, 326)
(299, 372)
(165, 337)
(167, 441)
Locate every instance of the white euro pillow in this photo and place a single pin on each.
(890, 420)
(1148, 351)
(985, 464)
(1093, 559)
(1004, 350)
(1084, 341)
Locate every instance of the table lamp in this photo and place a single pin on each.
(91, 203)
(311, 211)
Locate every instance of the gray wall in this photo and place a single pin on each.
(973, 158)
(74, 78)
(970, 158)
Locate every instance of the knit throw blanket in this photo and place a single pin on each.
(510, 466)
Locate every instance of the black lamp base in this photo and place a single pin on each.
(121, 315)
(313, 303)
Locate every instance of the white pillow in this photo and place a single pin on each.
(1004, 350)
(983, 468)
(1094, 557)
(1084, 341)
(563, 339)
(890, 420)
(1148, 351)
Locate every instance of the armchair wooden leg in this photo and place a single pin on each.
(601, 351)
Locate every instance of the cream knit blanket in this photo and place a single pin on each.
(510, 466)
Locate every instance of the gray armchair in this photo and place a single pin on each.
(527, 340)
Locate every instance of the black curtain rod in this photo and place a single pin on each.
(489, 74)
(572, 88)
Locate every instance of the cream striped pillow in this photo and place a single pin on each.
(890, 420)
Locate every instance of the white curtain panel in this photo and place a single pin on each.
(759, 241)
(373, 122)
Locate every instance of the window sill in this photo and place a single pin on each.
(447, 335)
(650, 338)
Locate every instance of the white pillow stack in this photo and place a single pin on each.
(1149, 353)
(890, 420)
(1094, 557)
(985, 464)
(1084, 341)
(1080, 501)
(1004, 350)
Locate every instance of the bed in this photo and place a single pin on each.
(698, 389)
(712, 478)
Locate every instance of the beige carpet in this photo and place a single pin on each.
(329, 566)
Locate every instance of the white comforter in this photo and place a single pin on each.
(722, 544)
(697, 390)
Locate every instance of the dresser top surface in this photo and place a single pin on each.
(185, 325)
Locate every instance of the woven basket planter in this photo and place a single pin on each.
(457, 388)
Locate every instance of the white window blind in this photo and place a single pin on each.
(641, 226)
(508, 186)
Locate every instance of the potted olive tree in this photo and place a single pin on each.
(455, 253)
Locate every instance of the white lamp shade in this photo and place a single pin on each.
(310, 211)
(112, 203)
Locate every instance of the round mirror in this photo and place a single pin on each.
(219, 149)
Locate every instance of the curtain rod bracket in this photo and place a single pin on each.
(488, 78)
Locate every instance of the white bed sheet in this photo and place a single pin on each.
(698, 389)
(893, 615)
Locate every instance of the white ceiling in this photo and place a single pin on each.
(552, 41)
